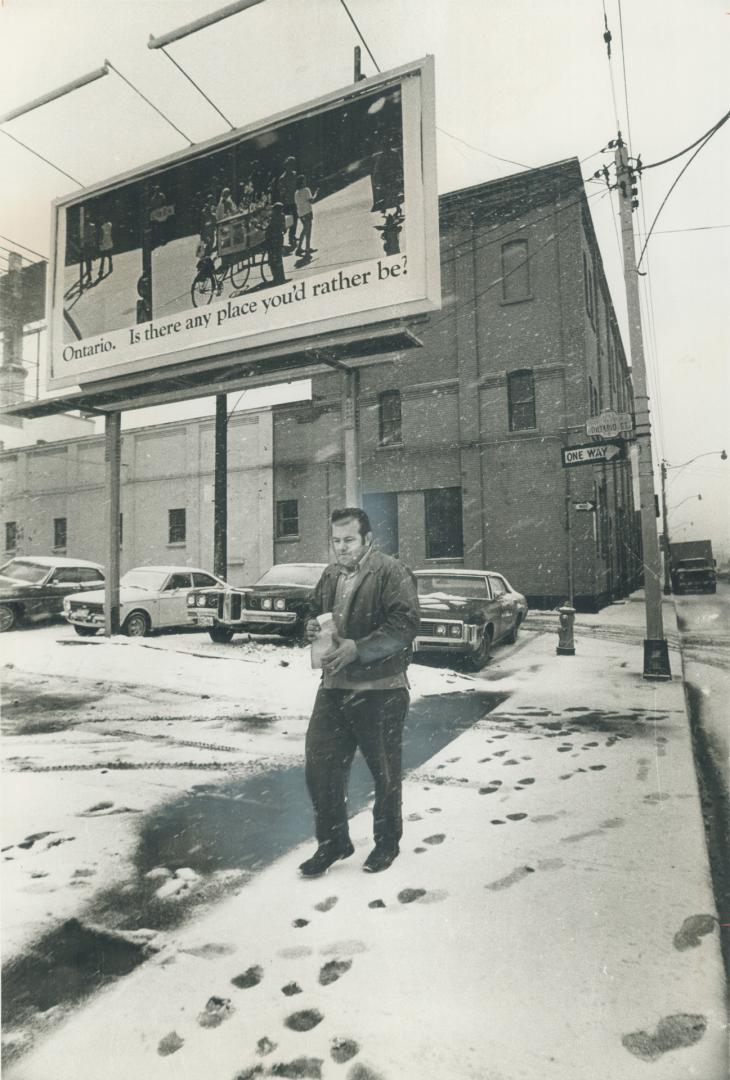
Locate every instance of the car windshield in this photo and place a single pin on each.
(20, 570)
(291, 574)
(151, 580)
(467, 588)
(693, 564)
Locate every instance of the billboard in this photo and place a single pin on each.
(315, 221)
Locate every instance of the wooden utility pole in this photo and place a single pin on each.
(656, 653)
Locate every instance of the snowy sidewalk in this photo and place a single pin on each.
(550, 914)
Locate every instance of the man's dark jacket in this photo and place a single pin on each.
(381, 615)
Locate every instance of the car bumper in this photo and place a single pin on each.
(246, 618)
(467, 642)
(91, 618)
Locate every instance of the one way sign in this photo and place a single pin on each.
(590, 454)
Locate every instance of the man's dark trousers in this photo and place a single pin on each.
(341, 721)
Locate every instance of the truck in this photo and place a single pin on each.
(692, 566)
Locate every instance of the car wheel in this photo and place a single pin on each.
(477, 660)
(221, 635)
(8, 617)
(512, 636)
(137, 624)
(85, 631)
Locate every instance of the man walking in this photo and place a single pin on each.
(363, 699)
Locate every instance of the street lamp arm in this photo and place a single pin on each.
(677, 505)
(709, 453)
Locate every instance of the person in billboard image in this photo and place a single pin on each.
(88, 250)
(363, 697)
(286, 187)
(106, 247)
(275, 243)
(304, 198)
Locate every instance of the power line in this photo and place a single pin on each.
(710, 131)
(359, 34)
(677, 178)
(623, 64)
(689, 228)
(607, 37)
(479, 149)
(16, 243)
(45, 159)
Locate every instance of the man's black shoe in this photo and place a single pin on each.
(380, 858)
(325, 855)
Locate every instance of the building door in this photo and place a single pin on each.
(382, 509)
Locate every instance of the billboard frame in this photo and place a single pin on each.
(223, 352)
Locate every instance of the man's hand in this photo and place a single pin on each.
(312, 629)
(344, 652)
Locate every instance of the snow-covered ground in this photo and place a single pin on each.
(549, 915)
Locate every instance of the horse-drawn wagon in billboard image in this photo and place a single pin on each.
(240, 247)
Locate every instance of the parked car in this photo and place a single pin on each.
(33, 587)
(150, 598)
(465, 612)
(276, 604)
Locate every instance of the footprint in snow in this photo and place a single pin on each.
(299, 923)
(251, 977)
(169, 1044)
(304, 1020)
(217, 1010)
(326, 905)
(333, 970)
(343, 1050)
(291, 989)
(437, 838)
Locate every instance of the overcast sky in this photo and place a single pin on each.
(519, 79)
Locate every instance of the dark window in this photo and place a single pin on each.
(87, 573)
(176, 526)
(498, 586)
(11, 535)
(178, 581)
(67, 575)
(595, 406)
(382, 509)
(389, 416)
(515, 271)
(287, 518)
(521, 399)
(59, 532)
(203, 581)
(444, 536)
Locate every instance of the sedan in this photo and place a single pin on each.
(33, 587)
(466, 612)
(276, 604)
(150, 598)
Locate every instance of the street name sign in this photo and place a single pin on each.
(584, 506)
(609, 424)
(590, 454)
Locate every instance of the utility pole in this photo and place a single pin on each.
(656, 653)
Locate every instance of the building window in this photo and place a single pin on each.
(444, 535)
(515, 271)
(521, 400)
(59, 533)
(176, 526)
(11, 535)
(287, 518)
(389, 418)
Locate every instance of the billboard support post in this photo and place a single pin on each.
(220, 512)
(113, 461)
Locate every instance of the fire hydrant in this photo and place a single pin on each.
(566, 620)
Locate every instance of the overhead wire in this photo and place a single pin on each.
(359, 34)
(200, 90)
(150, 103)
(676, 180)
(680, 153)
(42, 158)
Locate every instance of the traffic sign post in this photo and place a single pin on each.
(591, 454)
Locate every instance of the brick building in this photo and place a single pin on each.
(459, 441)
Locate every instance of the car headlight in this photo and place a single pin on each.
(191, 600)
(280, 603)
(455, 630)
(266, 603)
(441, 630)
(201, 600)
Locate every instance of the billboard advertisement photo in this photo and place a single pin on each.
(312, 222)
